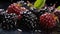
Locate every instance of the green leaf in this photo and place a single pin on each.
(58, 8)
(39, 4)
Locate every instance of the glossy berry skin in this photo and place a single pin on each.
(2, 11)
(28, 21)
(8, 22)
(41, 12)
(1, 19)
(15, 8)
(47, 20)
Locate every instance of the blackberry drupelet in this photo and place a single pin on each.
(2, 11)
(28, 22)
(45, 9)
(48, 21)
(9, 22)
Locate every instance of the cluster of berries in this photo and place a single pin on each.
(24, 16)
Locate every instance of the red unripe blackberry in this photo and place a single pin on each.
(47, 20)
(15, 8)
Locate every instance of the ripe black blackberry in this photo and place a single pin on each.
(1, 16)
(1, 19)
(28, 22)
(38, 12)
(45, 9)
(8, 21)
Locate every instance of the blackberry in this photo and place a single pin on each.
(15, 8)
(1, 19)
(8, 21)
(28, 21)
(39, 12)
(48, 21)
(43, 10)
(1, 16)
(46, 8)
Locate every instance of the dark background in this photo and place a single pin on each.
(4, 3)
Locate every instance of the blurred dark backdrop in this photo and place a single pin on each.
(4, 3)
